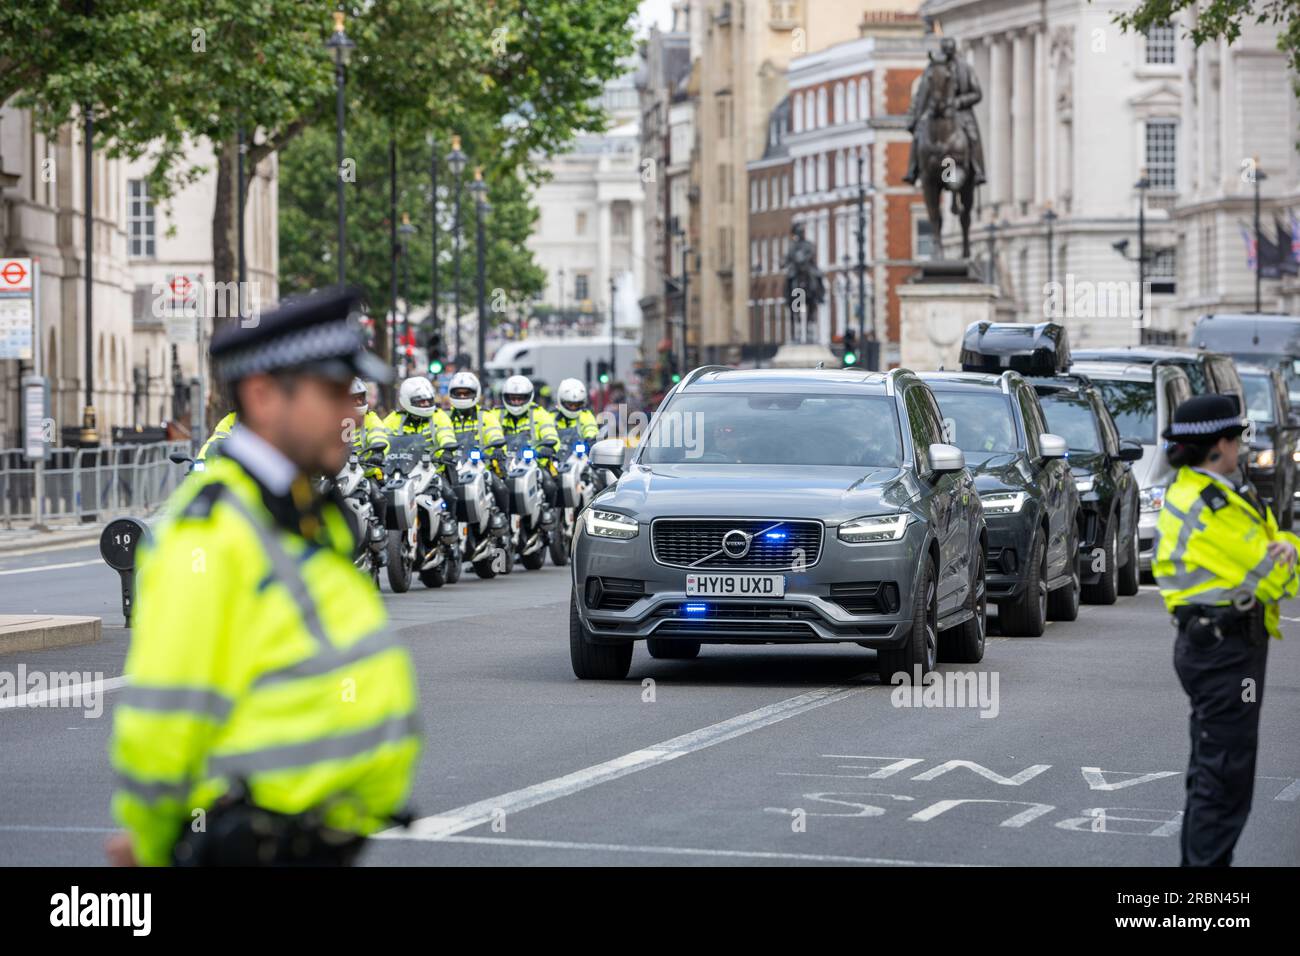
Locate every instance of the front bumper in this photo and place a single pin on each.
(1147, 538)
(811, 612)
(1007, 557)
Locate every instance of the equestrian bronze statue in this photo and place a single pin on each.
(805, 284)
(946, 150)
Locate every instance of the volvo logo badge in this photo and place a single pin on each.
(735, 543)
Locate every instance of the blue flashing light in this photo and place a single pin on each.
(475, 455)
(528, 454)
(696, 608)
(775, 535)
(580, 448)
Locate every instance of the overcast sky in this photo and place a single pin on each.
(655, 12)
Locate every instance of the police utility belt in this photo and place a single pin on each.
(1208, 626)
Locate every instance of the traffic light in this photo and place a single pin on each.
(602, 372)
(436, 358)
(850, 348)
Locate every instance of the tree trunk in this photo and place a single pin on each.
(225, 259)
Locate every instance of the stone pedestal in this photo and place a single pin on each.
(935, 309)
(793, 355)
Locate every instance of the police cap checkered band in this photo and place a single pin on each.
(1204, 419)
(1210, 427)
(319, 343)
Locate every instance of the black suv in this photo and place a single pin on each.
(1272, 436)
(783, 506)
(1030, 502)
(1110, 562)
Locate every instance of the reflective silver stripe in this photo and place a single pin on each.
(153, 790)
(193, 700)
(286, 569)
(1257, 574)
(329, 659)
(1188, 522)
(314, 751)
(1185, 580)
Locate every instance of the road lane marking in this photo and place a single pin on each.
(55, 567)
(451, 822)
(41, 698)
(692, 851)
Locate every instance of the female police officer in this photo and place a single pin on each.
(1222, 566)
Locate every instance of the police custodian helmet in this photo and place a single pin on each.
(1205, 419)
(314, 333)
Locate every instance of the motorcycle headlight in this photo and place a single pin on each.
(1151, 499)
(873, 528)
(1084, 483)
(1264, 458)
(1004, 502)
(610, 524)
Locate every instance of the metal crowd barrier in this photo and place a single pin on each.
(89, 484)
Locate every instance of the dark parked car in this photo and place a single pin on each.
(1272, 434)
(1030, 502)
(1110, 560)
(783, 506)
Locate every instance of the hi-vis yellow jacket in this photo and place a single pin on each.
(219, 434)
(257, 655)
(1212, 546)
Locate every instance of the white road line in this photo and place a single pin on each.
(55, 567)
(61, 695)
(451, 822)
(692, 851)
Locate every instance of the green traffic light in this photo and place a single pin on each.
(850, 359)
(435, 368)
(676, 378)
(604, 378)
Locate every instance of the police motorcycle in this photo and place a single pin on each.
(483, 528)
(422, 537)
(368, 531)
(532, 520)
(577, 487)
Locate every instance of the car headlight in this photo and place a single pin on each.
(1295, 456)
(1151, 499)
(610, 524)
(1084, 484)
(875, 528)
(1264, 458)
(1004, 502)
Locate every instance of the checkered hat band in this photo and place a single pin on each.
(1205, 428)
(316, 344)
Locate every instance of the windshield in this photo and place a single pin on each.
(775, 428)
(978, 421)
(1259, 398)
(1071, 417)
(1133, 407)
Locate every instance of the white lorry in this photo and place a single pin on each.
(553, 360)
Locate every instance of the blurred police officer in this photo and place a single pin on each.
(270, 716)
(1222, 566)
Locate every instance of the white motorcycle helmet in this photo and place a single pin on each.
(464, 390)
(417, 397)
(517, 395)
(360, 398)
(571, 397)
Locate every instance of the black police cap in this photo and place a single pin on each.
(314, 333)
(1205, 419)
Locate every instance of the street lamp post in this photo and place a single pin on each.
(872, 350)
(435, 319)
(456, 160)
(340, 44)
(1142, 185)
(1256, 175)
(562, 295)
(992, 240)
(1049, 217)
(611, 330)
(481, 209)
(406, 230)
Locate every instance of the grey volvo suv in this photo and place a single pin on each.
(783, 506)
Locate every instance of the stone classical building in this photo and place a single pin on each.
(591, 227)
(139, 244)
(1076, 113)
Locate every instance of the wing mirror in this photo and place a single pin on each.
(1130, 449)
(610, 453)
(946, 458)
(1052, 446)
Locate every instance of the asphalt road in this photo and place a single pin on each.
(766, 755)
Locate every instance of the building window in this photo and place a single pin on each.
(620, 221)
(580, 224)
(1161, 153)
(923, 244)
(140, 220)
(1162, 44)
(1163, 273)
(581, 290)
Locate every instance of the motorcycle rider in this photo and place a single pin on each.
(469, 417)
(522, 415)
(371, 432)
(418, 413)
(572, 403)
